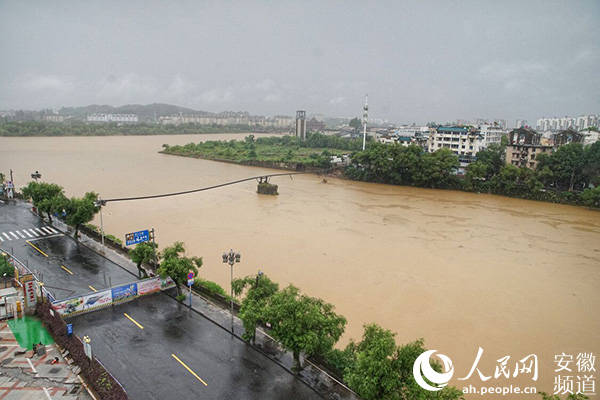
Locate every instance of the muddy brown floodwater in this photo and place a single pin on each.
(460, 270)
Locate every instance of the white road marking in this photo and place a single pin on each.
(47, 392)
(44, 238)
(8, 237)
(20, 234)
(27, 233)
(41, 232)
(34, 232)
(52, 229)
(12, 233)
(31, 365)
(1, 238)
(48, 231)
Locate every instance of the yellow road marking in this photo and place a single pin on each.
(66, 269)
(32, 245)
(188, 368)
(133, 320)
(93, 288)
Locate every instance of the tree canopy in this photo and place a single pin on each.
(143, 253)
(303, 324)
(81, 210)
(252, 311)
(381, 370)
(176, 265)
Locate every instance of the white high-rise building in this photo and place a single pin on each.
(559, 124)
(492, 134)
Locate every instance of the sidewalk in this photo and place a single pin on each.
(35, 377)
(324, 384)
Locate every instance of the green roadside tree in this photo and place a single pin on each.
(303, 324)
(381, 370)
(259, 289)
(175, 265)
(143, 253)
(81, 211)
(7, 270)
(46, 197)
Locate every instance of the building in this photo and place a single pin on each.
(229, 118)
(524, 146)
(314, 125)
(492, 134)
(521, 123)
(591, 135)
(556, 124)
(464, 141)
(54, 118)
(301, 124)
(567, 136)
(122, 118)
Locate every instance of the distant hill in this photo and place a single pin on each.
(144, 112)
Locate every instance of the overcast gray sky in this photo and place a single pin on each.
(418, 61)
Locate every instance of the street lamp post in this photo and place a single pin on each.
(231, 258)
(99, 203)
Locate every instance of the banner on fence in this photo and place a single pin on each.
(148, 286)
(117, 294)
(124, 292)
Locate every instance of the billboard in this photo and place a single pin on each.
(83, 303)
(91, 301)
(148, 286)
(124, 292)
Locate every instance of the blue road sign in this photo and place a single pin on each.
(69, 329)
(137, 237)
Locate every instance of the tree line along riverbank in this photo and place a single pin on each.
(569, 175)
(79, 128)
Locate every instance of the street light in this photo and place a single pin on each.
(231, 258)
(99, 203)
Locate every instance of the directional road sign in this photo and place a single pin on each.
(137, 237)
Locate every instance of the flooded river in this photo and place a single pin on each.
(460, 270)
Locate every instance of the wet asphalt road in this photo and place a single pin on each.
(142, 359)
(178, 354)
(67, 268)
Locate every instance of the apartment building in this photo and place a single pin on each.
(464, 141)
(524, 146)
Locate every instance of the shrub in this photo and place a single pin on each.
(211, 287)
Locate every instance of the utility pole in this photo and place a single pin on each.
(154, 247)
(364, 121)
(100, 203)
